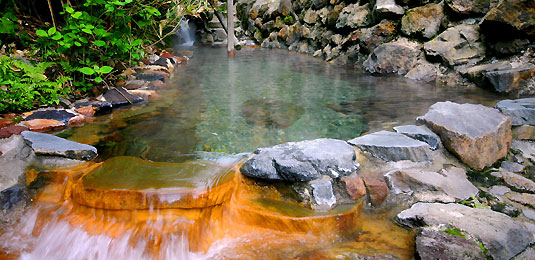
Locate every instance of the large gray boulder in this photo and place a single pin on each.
(423, 21)
(423, 71)
(476, 134)
(15, 156)
(391, 146)
(521, 111)
(478, 73)
(353, 16)
(420, 133)
(50, 145)
(302, 161)
(434, 244)
(457, 45)
(502, 237)
(446, 185)
(393, 57)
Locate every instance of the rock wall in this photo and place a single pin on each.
(452, 42)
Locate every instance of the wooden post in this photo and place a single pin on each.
(230, 27)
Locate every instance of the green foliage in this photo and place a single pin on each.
(289, 20)
(455, 232)
(25, 86)
(473, 202)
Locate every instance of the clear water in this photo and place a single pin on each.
(261, 98)
(214, 109)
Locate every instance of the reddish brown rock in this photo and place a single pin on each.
(76, 121)
(157, 84)
(371, 38)
(476, 134)
(377, 189)
(9, 116)
(44, 125)
(149, 95)
(86, 111)
(12, 130)
(6, 122)
(354, 186)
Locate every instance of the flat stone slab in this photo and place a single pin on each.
(302, 161)
(476, 134)
(391, 146)
(502, 237)
(46, 144)
(58, 115)
(447, 185)
(120, 97)
(15, 156)
(521, 111)
(421, 134)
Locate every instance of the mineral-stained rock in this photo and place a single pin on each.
(310, 17)
(12, 130)
(457, 45)
(447, 185)
(507, 80)
(391, 146)
(86, 111)
(353, 16)
(502, 237)
(477, 73)
(45, 144)
(393, 57)
(302, 161)
(510, 19)
(371, 38)
(44, 125)
(422, 21)
(355, 187)
(377, 189)
(334, 14)
(420, 133)
(478, 135)
(521, 111)
(119, 97)
(16, 155)
(6, 122)
(434, 244)
(59, 115)
(524, 132)
(78, 120)
(285, 7)
(386, 9)
(471, 6)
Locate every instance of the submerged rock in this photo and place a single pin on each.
(446, 186)
(393, 57)
(478, 135)
(457, 45)
(421, 134)
(46, 144)
(271, 113)
(502, 237)
(302, 161)
(322, 192)
(521, 111)
(434, 244)
(391, 146)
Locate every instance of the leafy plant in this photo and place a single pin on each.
(25, 85)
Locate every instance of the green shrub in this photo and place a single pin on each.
(24, 86)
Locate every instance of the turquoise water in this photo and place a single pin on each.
(260, 98)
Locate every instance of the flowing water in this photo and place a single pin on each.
(166, 184)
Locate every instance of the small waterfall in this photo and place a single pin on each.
(186, 34)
